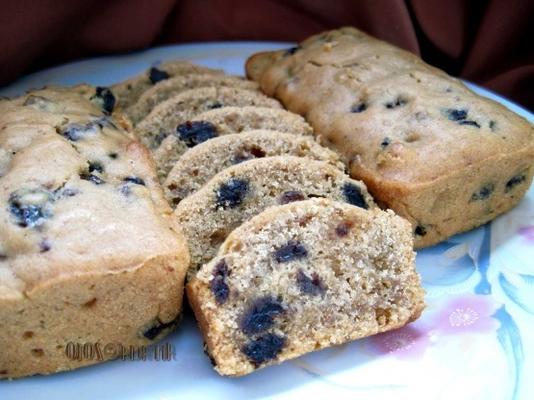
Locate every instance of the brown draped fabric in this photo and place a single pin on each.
(487, 42)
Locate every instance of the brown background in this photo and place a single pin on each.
(488, 42)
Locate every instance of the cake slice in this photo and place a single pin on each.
(130, 90)
(202, 162)
(301, 277)
(173, 86)
(244, 190)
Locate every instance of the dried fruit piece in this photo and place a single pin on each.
(260, 315)
(293, 250)
(193, 133)
(218, 285)
(232, 193)
(264, 348)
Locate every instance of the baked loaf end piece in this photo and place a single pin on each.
(301, 277)
(238, 193)
(199, 164)
(88, 253)
(426, 146)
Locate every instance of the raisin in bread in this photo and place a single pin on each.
(426, 146)
(88, 251)
(301, 277)
(173, 86)
(129, 91)
(169, 132)
(199, 164)
(242, 191)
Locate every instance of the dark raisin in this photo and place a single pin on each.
(292, 50)
(95, 166)
(353, 194)
(135, 180)
(263, 348)
(218, 285)
(75, 132)
(105, 98)
(260, 315)
(358, 108)
(343, 228)
(293, 250)
(214, 105)
(456, 114)
(91, 178)
(310, 285)
(291, 196)
(3, 257)
(385, 142)
(492, 125)
(483, 193)
(193, 133)
(44, 246)
(513, 182)
(398, 102)
(157, 327)
(156, 75)
(232, 193)
(29, 208)
(420, 230)
(470, 123)
(113, 156)
(257, 152)
(248, 154)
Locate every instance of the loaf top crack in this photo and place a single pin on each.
(394, 117)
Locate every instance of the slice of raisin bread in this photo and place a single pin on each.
(301, 277)
(202, 162)
(242, 191)
(173, 86)
(438, 154)
(88, 252)
(238, 119)
(130, 90)
(167, 128)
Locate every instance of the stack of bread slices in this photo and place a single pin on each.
(288, 253)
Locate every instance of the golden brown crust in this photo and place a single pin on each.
(86, 234)
(428, 147)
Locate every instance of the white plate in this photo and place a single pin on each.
(474, 341)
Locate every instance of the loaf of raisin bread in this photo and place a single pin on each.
(88, 253)
(301, 277)
(426, 146)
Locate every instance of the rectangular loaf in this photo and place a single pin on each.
(88, 254)
(426, 146)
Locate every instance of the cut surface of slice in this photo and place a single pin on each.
(301, 277)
